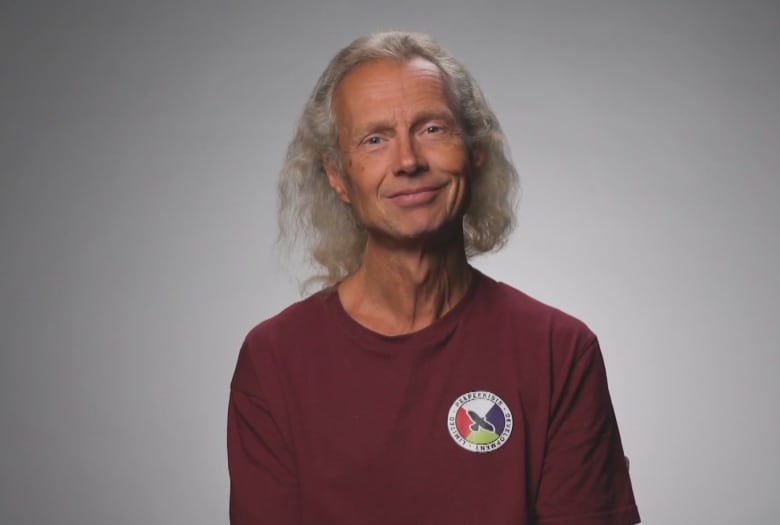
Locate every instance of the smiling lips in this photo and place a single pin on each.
(414, 197)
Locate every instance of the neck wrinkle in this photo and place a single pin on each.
(396, 292)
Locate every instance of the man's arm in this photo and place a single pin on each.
(585, 476)
(263, 484)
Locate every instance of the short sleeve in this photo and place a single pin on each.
(585, 478)
(263, 484)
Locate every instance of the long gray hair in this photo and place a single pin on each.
(310, 212)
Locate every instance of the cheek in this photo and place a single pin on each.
(454, 163)
(452, 153)
(366, 175)
(360, 186)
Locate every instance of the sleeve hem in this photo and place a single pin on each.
(623, 516)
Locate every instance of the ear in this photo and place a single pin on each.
(335, 178)
(477, 156)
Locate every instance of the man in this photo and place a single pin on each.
(414, 389)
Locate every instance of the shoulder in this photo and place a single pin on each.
(522, 313)
(297, 319)
(269, 345)
(506, 301)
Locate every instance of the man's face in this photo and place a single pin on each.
(405, 162)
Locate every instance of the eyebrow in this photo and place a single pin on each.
(385, 125)
(376, 126)
(425, 116)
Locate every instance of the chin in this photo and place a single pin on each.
(436, 234)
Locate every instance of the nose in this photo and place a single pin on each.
(409, 158)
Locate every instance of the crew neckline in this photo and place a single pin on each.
(431, 335)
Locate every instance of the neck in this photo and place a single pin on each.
(397, 291)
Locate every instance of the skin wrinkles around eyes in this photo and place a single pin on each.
(441, 123)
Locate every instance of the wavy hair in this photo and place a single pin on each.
(311, 214)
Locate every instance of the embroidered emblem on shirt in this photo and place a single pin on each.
(479, 421)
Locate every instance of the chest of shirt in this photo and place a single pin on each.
(457, 420)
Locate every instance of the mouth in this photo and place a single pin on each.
(415, 196)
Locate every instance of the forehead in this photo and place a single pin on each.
(389, 84)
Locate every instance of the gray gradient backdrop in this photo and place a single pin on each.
(139, 147)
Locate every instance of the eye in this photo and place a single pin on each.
(433, 129)
(373, 140)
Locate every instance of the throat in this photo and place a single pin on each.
(396, 296)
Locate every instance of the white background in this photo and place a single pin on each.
(139, 148)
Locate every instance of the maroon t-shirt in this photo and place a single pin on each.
(496, 413)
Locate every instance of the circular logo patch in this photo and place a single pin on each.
(480, 421)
